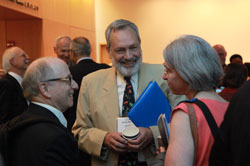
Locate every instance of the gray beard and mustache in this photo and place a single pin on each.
(127, 71)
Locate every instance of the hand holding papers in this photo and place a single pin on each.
(163, 129)
(149, 106)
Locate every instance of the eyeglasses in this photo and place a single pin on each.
(68, 79)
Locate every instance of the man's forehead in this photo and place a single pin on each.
(64, 42)
(120, 36)
(17, 50)
(123, 29)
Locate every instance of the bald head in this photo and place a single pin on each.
(62, 48)
(15, 60)
(221, 53)
(48, 80)
(41, 69)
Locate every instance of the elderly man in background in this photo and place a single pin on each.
(221, 53)
(80, 55)
(62, 49)
(15, 62)
(100, 101)
(49, 86)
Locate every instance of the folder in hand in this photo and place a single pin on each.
(148, 107)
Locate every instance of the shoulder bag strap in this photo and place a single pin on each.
(193, 125)
(209, 117)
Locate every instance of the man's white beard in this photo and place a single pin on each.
(127, 72)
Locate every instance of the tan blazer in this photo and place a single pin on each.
(98, 109)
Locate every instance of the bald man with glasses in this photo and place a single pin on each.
(49, 87)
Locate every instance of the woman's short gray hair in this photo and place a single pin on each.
(38, 71)
(195, 61)
(118, 25)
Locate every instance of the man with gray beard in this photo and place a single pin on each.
(100, 101)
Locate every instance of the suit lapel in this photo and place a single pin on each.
(39, 111)
(143, 80)
(110, 94)
(17, 85)
(13, 80)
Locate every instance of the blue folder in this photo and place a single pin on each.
(147, 108)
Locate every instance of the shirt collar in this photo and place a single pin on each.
(55, 111)
(133, 79)
(83, 58)
(16, 76)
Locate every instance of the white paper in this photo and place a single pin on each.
(123, 122)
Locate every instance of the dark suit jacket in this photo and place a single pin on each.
(233, 149)
(44, 143)
(78, 71)
(12, 100)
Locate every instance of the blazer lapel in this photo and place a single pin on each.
(18, 87)
(143, 80)
(110, 94)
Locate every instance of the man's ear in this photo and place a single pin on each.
(44, 91)
(55, 51)
(12, 61)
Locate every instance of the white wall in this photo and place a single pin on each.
(225, 22)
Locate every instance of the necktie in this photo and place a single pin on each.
(128, 98)
(131, 158)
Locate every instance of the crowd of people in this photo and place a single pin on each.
(72, 103)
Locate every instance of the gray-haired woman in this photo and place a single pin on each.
(192, 68)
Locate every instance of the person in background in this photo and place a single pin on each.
(2, 73)
(49, 86)
(221, 53)
(235, 75)
(15, 62)
(236, 58)
(62, 49)
(100, 101)
(232, 148)
(80, 56)
(192, 68)
(247, 64)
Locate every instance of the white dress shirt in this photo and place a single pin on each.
(121, 84)
(83, 58)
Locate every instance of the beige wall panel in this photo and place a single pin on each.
(78, 13)
(51, 30)
(76, 32)
(57, 10)
(161, 21)
(82, 14)
(26, 34)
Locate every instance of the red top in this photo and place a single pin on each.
(205, 137)
(227, 93)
